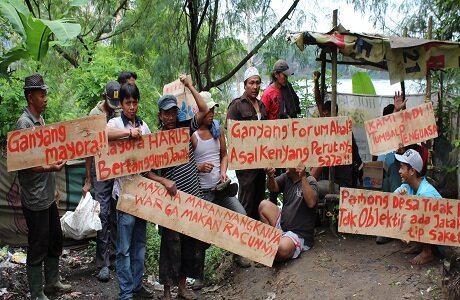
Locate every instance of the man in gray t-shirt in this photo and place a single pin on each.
(38, 205)
(297, 217)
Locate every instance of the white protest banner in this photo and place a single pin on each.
(410, 218)
(185, 101)
(200, 219)
(43, 145)
(284, 143)
(406, 127)
(152, 151)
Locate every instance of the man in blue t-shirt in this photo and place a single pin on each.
(410, 169)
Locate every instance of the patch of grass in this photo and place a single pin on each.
(152, 254)
(217, 263)
(91, 250)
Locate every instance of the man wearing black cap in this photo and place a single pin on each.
(107, 236)
(279, 97)
(38, 205)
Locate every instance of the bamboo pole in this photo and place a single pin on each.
(333, 95)
(428, 72)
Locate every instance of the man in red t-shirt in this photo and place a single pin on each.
(279, 98)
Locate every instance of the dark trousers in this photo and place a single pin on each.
(107, 236)
(180, 255)
(251, 190)
(273, 196)
(45, 234)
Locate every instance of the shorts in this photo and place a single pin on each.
(298, 241)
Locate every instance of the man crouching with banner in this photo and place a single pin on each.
(297, 218)
(411, 166)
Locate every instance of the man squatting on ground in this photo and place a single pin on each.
(413, 183)
(297, 218)
(38, 204)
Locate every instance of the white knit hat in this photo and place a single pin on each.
(251, 71)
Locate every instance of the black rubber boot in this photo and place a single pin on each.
(35, 280)
(53, 284)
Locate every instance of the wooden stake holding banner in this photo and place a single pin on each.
(43, 145)
(410, 218)
(406, 127)
(200, 219)
(185, 101)
(315, 142)
(152, 151)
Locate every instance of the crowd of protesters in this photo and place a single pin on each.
(121, 243)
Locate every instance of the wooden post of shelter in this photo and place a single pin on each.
(333, 95)
(428, 72)
(429, 143)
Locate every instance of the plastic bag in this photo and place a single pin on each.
(84, 222)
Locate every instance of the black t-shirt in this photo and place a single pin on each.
(296, 216)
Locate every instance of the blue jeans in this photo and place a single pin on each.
(131, 239)
(231, 203)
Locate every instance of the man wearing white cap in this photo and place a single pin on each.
(413, 183)
(212, 161)
(245, 108)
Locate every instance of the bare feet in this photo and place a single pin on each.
(186, 294)
(415, 248)
(424, 257)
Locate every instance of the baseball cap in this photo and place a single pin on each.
(251, 71)
(412, 158)
(34, 81)
(208, 99)
(282, 66)
(167, 102)
(112, 91)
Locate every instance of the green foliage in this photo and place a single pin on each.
(10, 105)
(215, 264)
(152, 253)
(36, 34)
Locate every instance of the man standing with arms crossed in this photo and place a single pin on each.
(110, 106)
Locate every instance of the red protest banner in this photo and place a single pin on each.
(410, 218)
(185, 101)
(200, 219)
(406, 127)
(42, 145)
(152, 151)
(284, 143)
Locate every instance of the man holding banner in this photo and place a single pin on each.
(411, 166)
(181, 256)
(131, 230)
(211, 156)
(245, 108)
(297, 218)
(38, 205)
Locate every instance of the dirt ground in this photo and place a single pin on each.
(349, 267)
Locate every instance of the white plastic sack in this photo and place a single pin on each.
(84, 222)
